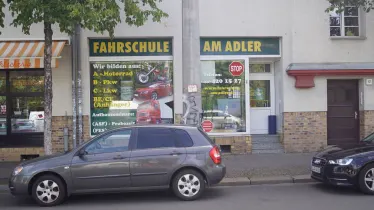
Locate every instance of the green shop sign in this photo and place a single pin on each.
(239, 46)
(131, 47)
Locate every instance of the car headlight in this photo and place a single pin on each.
(17, 170)
(342, 162)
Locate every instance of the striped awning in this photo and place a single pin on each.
(27, 54)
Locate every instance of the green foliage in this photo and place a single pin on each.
(339, 5)
(96, 15)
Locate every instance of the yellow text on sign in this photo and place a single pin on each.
(232, 46)
(131, 47)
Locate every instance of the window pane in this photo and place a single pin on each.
(27, 81)
(260, 93)
(183, 138)
(223, 95)
(351, 21)
(2, 82)
(115, 142)
(259, 68)
(3, 115)
(335, 21)
(352, 31)
(335, 31)
(28, 114)
(149, 138)
(351, 11)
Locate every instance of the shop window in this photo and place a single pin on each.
(131, 92)
(259, 68)
(260, 93)
(223, 95)
(27, 81)
(28, 114)
(3, 127)
(345, 23)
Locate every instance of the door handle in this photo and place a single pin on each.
(356, 115)
(175, 153)
(118, 157)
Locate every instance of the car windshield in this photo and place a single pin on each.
(369, 138)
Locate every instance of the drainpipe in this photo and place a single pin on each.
(73, 89)
(79, 84)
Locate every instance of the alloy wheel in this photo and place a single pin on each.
(369, 179)
(47, 191)
(189, 185)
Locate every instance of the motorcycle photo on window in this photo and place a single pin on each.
(156, 73)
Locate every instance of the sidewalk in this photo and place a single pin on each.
(243, 169)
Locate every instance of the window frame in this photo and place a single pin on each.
(343, 26)
(17, 140)
(108, 134)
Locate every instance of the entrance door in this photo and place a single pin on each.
(342, 112)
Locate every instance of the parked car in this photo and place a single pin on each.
(182, 158)
(148, 112)
(347, 166)
(222, 120)
(154, 91)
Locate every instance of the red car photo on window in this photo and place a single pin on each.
(154, 91)
(148, 112)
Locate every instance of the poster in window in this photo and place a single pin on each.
(131, 92)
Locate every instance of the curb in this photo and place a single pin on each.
(243, 181)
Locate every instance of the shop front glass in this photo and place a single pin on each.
(130, 92)
(223, 95)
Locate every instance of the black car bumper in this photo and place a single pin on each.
(334, 174)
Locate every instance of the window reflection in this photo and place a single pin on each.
(3, 115)
(2, 82)
(27, 81)
(28, 114)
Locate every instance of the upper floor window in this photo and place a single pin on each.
(345, 23)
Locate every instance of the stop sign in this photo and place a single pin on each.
(236, 68)
(207, 125)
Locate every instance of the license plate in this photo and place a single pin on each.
(316, 169)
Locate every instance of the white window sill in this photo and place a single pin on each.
(348, 37)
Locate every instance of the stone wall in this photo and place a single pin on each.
(366, 123)
(14, 154)
(239, 144)
(304, 131)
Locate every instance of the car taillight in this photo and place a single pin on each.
(215, 154)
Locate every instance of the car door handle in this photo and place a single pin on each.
(118, 157)
(175, 153)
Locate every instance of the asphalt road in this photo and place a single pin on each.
(277, 197)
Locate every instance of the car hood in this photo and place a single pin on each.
(42, 158)
(336, 152)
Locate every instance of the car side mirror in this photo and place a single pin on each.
(82, 153)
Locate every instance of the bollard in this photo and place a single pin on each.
(66, 139)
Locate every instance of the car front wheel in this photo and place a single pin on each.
(48, 190)
(188, 185)
(366, 181)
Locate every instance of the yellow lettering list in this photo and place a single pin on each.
(128, 47)
(250, 46)
(103, 47)
(257, 46)
(206, 46)
(134, 47)
(159, 49)
(216, 46)
(143, 46)
(95, 47)
(152, 47)
(120, 46)
(236, 46)
(166, 47)
(111, 47)
(228, 47)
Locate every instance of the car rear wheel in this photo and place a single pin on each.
(48, 190)
(188, 185)
(366, 181)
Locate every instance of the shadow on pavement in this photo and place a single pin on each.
(338, 190)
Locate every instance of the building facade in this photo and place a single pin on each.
(310, 69)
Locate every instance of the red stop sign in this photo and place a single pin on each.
(207, 125)
(236, 68)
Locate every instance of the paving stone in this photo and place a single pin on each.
(271, 180)
(235, 181)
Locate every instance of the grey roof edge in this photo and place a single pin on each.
(331, 66)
